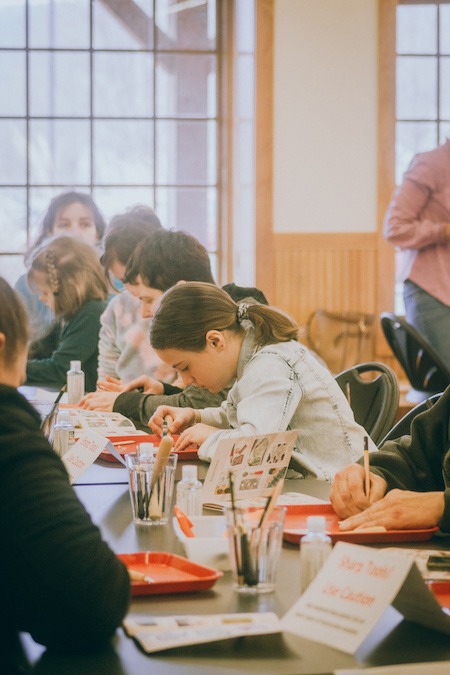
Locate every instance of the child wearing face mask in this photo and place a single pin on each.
(74, 214)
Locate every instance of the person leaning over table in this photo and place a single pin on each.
(409, 479)
(59, 580)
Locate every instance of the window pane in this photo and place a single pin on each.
(411, 138)
(416, 88)
(444, 29)
(59, 152)
(118, 199)
(13, 219)
(245, 86)
(185, 85)
(416, 29)
(12, 267)
(186, 153)
(12, 84)
(191, 210)
(123, 85)
(123, 152)
(444, 132)
(13, 156)
(60, 24)
(444, 101)
(54, 91)
(12, 23)
(182, 25)
(245, 25)
(244, 236)
(123, 26)
(245, 153)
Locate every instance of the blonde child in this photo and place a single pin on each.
(69, 279)
(201, 332)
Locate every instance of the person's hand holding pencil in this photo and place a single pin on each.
(353, 490)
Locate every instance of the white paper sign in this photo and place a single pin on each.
(85, 451)
(351, 592)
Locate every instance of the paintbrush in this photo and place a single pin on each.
(161, 459)
(271, 502)
(46, 423)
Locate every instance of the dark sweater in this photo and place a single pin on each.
(59, 580)
(421, 461)
(78, 342)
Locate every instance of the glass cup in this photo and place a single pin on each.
(48, 419)
(151, 495)
(254, 550)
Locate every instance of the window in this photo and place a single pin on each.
(123, 99)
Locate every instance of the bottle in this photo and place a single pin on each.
(189, 492)
(63, 434)
(75, 383)
(314, 550)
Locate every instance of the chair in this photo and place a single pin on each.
(374, 402)
(424, 369)
(403, 426)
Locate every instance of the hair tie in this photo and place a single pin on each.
(52, 272)
(241, 312)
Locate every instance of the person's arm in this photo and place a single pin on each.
(108, 350)
(404, 226)
(79, 341)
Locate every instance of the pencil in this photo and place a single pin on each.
(366, 466)
(119, 443)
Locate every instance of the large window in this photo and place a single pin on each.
(120, 98)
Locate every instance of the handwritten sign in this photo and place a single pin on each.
(85, 451)
(351, 592)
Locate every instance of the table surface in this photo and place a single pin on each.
(392, 640)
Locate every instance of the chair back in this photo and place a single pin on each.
(422, 365)
(403, 426)
(374, 402)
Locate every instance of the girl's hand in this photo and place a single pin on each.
(182, 419)
(110, 384)
(196, 434)
(148, 384)
(99, 400)
(401, 510)
(347, 494)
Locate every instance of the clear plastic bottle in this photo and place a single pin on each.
(63, 434)
(75, 383)
(189, 492)
(314, 550)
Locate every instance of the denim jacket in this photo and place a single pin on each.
(281, 387)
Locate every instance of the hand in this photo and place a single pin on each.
(149, 385)
(110, 384)
(182, 419)
(347, 494)
(99, 400)
(196, 434)
(400, 510)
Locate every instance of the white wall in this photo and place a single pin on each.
(325, 115)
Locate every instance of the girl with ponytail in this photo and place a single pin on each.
(201, 332)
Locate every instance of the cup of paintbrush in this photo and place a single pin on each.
(48, 418)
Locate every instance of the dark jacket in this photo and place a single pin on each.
(59, 580)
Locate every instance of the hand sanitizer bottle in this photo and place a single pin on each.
(75, 383)
(189, 492)
(314, 550)
(63, 434)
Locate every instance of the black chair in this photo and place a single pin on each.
(374, 402)
(403, 426)
(424, 369)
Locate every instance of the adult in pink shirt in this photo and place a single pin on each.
(418, 222)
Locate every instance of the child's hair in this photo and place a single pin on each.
(125, 232)
(60, 202)
(188, 311)
(13, 321)
(167, 257)
(73, 271)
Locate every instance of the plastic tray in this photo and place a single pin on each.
(188, 453)
(441, 590)
(172, 573)
(296, 516)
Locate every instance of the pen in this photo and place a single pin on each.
(366, 466)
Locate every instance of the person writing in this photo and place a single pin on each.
(409, 479)
(56, 572)
(210, 340)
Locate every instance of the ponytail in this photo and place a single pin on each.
(187, 312)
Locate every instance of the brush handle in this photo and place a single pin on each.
(161, 458)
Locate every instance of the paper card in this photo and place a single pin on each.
(85, 451)
(351, 592)
(257, 462)
(155, 633)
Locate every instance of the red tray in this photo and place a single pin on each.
(441, 590)
(296, 516)
(172, 573)
(188, 453)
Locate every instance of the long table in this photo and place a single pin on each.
(392, 641)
